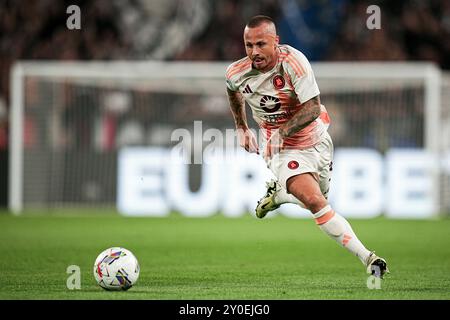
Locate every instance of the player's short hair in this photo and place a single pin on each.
(256, 21)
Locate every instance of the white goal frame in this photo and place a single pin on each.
(429, 73)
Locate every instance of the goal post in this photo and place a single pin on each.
(41, 171)
(15, 178)
(88, 72)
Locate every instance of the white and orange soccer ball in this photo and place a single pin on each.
(116, 268)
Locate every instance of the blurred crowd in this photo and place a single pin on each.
(36, 30)
(410, 31)
(212, 30)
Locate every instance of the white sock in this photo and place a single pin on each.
(338, 228)
(283, 196)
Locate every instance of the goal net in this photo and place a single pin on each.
(71, 122)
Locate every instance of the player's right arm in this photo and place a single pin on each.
(237, 107)
(247, 139)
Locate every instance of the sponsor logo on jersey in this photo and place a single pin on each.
(270, 104)
(278, 82)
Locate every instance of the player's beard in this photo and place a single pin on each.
(260, 63)
(264, 65)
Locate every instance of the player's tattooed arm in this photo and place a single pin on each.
(309, 112)
(247, 139)
(237, 107)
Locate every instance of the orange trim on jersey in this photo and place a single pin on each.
(236, 71)
(296, 66)
(285, 99)
(325, 117)
(301, 141)
(238, 64)
(293, 62)
(282, 56)
(238, 68)
(325, 218)
(288, 79)
(299, 64)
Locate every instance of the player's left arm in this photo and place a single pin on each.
(307, 91)
(309, 112)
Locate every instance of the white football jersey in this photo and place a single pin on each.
(276, 95)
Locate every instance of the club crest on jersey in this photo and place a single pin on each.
(270, 104)
(278, 82)
(293, 165)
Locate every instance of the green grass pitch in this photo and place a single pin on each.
(221, 258)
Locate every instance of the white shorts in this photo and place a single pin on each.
(317, 159)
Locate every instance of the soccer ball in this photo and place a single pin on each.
(116, 269)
